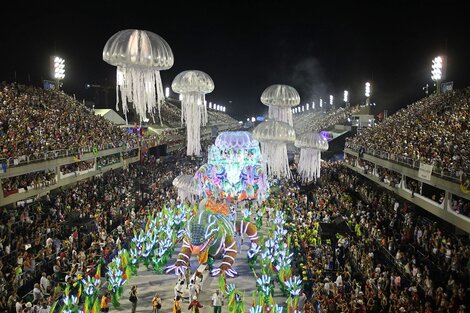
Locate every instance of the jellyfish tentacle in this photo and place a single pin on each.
(230, 252)
(182, 262)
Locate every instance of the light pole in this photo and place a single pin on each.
(436, 72)
(331, 101)
(58, 70)
(367, 93)
(345, 98)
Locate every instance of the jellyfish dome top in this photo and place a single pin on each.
(233, 171)
(187, 188)
(311, 144)
(139, 56)
(280, 99)
(193, 85)
(274, 135)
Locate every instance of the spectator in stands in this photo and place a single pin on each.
(432, 130)
(45, 284)
(37, 294)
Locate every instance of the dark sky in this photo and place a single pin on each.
(246, 46)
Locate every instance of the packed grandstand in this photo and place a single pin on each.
(395, 256)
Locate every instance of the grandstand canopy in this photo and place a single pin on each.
(111, 116)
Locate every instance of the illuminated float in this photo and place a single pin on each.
(233, 171)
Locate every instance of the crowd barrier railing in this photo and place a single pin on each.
(406, 161)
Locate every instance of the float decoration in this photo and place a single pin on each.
(274, 136)
(311, 144)
(193, 85)
(234, 170)
(210, 235)
(139, 55)
(280, 99)
(188, 190)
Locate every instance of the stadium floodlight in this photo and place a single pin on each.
(367, 93)
(247, 119)
(367, 90)
(436, 72)
(313, 105)
(167, 92)
(253, 119)
(321, 103)
(180, 97)
(210, 105)
(331, 99)
(345, 96)
(58, 69)
(307, 106)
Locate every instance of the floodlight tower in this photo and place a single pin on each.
(345, 98)
(436, 72)
(58, 69)
(331, 101)
(367, 93)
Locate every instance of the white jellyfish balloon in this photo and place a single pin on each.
(311, 144)
(187, 188)
(273, 136)
(139, 55)
(280, 99)
(192, 86)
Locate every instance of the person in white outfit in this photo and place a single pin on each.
(192, 290)
(178, 289)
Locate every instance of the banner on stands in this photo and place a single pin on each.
(425, 171)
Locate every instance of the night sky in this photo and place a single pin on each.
(247, 46)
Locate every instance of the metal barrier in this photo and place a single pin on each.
(406, 161)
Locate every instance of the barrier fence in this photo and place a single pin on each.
(407, 161)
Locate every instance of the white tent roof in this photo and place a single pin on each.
(111, 116)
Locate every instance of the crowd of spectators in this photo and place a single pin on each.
(108, 160)
(33, 180)
(434, 130)
(388, 176)
(460, 205)
(391, 260)
(114, 203)
(77, 167)
(313, 121)
(35, 121)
